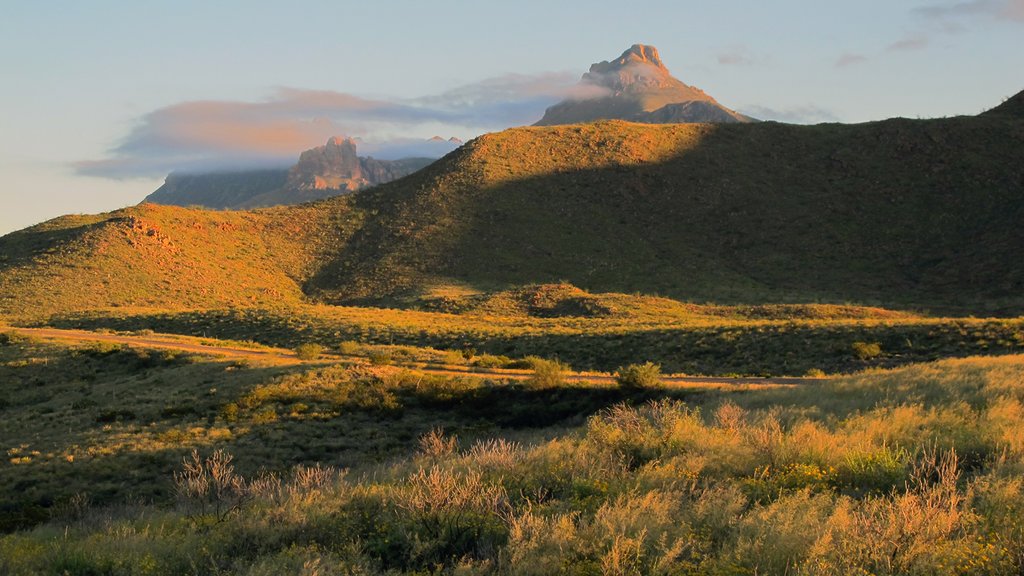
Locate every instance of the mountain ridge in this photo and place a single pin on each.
(910, 214)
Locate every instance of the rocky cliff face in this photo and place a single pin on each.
(333, 166)
(639, 88)
(328, 170)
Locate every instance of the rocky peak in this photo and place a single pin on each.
(638, 87)
(641, 53)
(638, 69)
(331, 166)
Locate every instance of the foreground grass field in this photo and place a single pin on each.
(349, 470)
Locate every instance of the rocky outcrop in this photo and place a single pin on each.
(324, 171)
(638, 87)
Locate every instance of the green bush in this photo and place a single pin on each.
(639, 376)
(491, 361)
(546, 373)
(309, 351)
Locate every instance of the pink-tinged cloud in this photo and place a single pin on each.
(207, 135)
(908, 44)
(847, 60)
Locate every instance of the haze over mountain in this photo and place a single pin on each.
(899, 213)
(321, 172)
(640, 89)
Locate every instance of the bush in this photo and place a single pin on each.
(639, 376)
(866, 350)
(381, 357)
(491, 361)
(546, 373)
(309, 351)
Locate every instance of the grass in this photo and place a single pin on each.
(713, 340)
(907, 471)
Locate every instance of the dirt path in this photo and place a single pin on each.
(284, 356)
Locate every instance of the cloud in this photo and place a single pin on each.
(1012, 10)
(808, 114)
(736, 56)
(910, 43)
(209, 135)
(850, 59)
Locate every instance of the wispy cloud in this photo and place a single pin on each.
(1012, 10)
(847, 60)
(908, 44)
(737, 56)
(204, 135)
(808, 114)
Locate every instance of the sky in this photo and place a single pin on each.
(100, 100)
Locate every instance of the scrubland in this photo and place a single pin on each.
(364, 470)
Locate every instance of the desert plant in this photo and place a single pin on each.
(309, 351)
(209, 487)
(546, 373)
(639, 376)
(866, 350)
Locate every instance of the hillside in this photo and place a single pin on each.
(638, 87)
(913, 214)
(899, 213)
(164, 257)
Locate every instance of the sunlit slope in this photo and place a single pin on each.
(164, 257)
(900, 212)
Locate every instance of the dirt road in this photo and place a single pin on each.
(284, 356)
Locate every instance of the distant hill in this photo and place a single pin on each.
(321, 172)
(898, 213)
(638, 87)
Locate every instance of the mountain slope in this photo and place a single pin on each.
(165, 257)
(638, 87)
(899, 213)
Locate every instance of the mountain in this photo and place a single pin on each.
(638, 87)
(324, 171)
(1012, 107)
(913, 214)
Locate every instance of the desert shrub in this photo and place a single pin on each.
(878, 471)
(381, 357)
(815, 373)
(546, 373)
(309, 351)
(866, 350)
(229, 412)
(10, 338)
(445, 516)
(638, 376)
(209, 488)
(435, 444)
(349, 348)
(491, 361)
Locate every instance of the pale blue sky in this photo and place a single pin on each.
(81, 80)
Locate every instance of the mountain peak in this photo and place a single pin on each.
(641, 53)
(638, 87)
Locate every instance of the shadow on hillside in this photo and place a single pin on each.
(904, 214)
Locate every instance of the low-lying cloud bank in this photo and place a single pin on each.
(218, 135)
